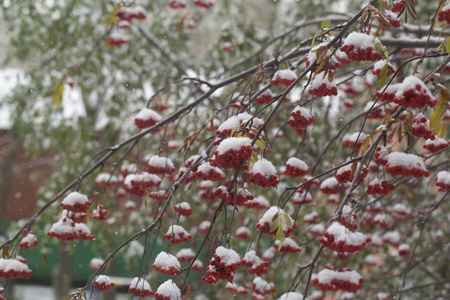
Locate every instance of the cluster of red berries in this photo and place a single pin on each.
(13, 269)
(360, 54)
(263, 180)
(116, 39)
(183, 209)
(436, 145)
(177, 234)
(328, 241)
(381, 156)
(161, 168)
(417, 97)
(345, 174)
(231, 158)
(421, 127)
(140, 288)
(176, 4)
(146, 118)
(398, 6)
(256, 265)
(100, 213)
(392, 18)
(102, 283)
(338, 282)
(300, 118)
(289, 246)
(264, 97)
(222, 266)
(208, 172)
(444, 14)
(204, 3)
(266, 228)
(28, 241)
(443, 181)
(189, 178)
(302, 197)
(261, 288)
(323, 90)
(159, 195)
(129, 13)
(296, 168)
(379, 187)
(396, 170)
(330, 186)
(76, 202)
(283, 77)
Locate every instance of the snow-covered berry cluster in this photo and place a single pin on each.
(283, 77)
(128, 13)
(183, 209)
(381, 155)
(296, 167)
(103, 282)
(167, 264)
(13, 269)
(177, 234)
(222, 266)
(273, 219)
(288, 246)
(341, 239)
(412, 92)
(140, 287)
(398, 6)
(257, 265)
(168, 291)
(160, 165)
(146, 118)
(355, 139)
(330, 186)
(264, 97)
(231, 152)
(204, 3)
(443, 181)
(399, 163)
(207, 172)
(263, 174)
(177, 4)
(261, 288)
(138, 184)
(361, 47)
(436, 145)
(259, 202)
(342, 279)
(302, 197)
(345, 174)
(243, 233)
(421, 127)
(301, 118)
(76, 202)
(379, 187)
(67, 230)
(322, 87)
(28, 241)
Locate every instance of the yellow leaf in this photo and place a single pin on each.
(366, 142)
(5, 252)
(261, 144)
(354, 166)
(58, 94)
(443, 131)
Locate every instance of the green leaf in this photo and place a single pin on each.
(58, 94)
(383, 75)
(260, 144)
(275, 224)
(324, 23)
(280, 237)
(287, 219)
(254, 157)
(447, 45)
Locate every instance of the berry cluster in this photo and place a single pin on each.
(222, 266)
(159, 195)
(274, 217)
(227, 47)
(296, 167)
(345, 174)
(160, 165)
(102, 283)
(360, 47)
(330, 186)
(13, 269)
(443, 181)
(283, 77)
(343, 279)
(300, 118)
(436, 145)
(167, 264)
(261, 288)
(374, 113)
(379, 187)
(168, 291)
(348, 218)
(76, 202)
(28, 241)
(129, 13)
(302, 197)
(288, 246)
(177, 234)
(414, 93)
(116, 39)
(176, 4)
(340, 239)
(421, 127)
(392, 18)
(204, 3)
(231, 152)
(444, 14)
(236, 289)
(321, 87)
(264, 97)
(378, 67)
(207, 172)
(183, 209)
(140, 288)
(263, 174)
(243, 233)
(256, 265)
(100, 213)
(398, 6)
(146, 118)
(406, 165)
(381, 156)
(355, 139)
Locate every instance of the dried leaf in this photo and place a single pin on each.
(96, 198)
(330, 76)
(5, 252)
(194, 244)
(366, 143)
(44, 259)
(399, 134)
(354, 166)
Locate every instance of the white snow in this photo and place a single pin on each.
(297, 163)
(227, 256)
(233, 143)
(147, 114)
(74, 198)
(169, 289)
(361, 40)
(165, 260)
(264, 167)
(443, 177)
(291, 296)
(326, 276)
(140, 284)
